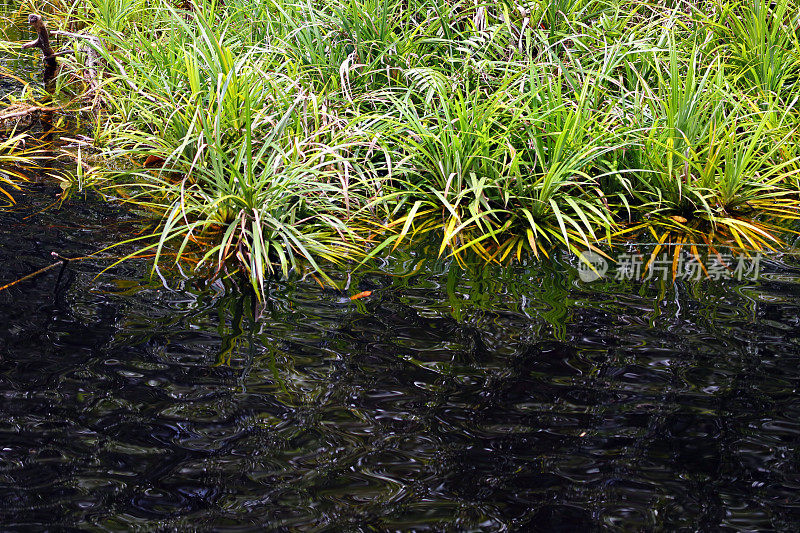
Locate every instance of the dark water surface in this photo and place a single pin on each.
(17, 65)
(516, 401)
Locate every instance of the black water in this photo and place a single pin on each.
(522, 400)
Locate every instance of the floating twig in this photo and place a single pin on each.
(29, 276)
(61, 261)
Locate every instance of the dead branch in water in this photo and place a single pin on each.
(28, 111)
(92, 51)
(94, 55)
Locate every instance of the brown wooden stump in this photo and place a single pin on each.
(42, 40)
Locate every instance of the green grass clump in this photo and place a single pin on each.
(272, 134)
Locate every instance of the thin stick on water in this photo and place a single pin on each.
(61, 261)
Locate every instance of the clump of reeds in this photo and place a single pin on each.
(274, 133)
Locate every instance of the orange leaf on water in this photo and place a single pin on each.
(361, 295)
(153, 161)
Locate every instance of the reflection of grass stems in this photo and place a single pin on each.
(11, 155)
(272, 134)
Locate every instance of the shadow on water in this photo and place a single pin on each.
(515, 400)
